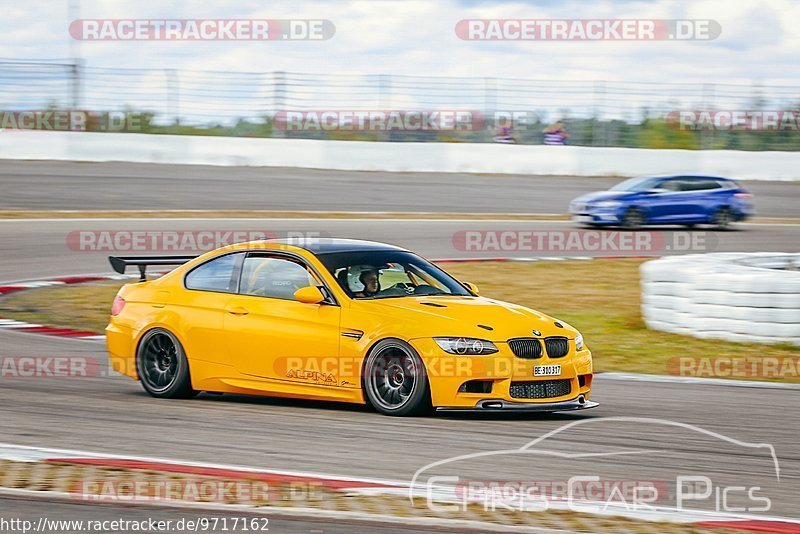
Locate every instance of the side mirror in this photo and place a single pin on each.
(657, 190)
(309, 295)
(472, 287)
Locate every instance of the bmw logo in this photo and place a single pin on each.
(537, 333)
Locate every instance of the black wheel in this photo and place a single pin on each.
(633, 219)
(722, 219)
(688, 225)
(162, 366)
(395, 380)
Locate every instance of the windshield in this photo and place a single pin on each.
(636, 185)
(388, 274)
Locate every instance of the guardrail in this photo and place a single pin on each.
(732, 296)
(396, 157)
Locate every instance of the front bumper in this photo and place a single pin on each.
(500, 405)
(597, 218)
(450, 374)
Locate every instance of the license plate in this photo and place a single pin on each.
(546, 370)
(583, 218)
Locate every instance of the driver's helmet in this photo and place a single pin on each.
(354, 273)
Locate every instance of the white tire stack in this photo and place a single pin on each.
(742, 297)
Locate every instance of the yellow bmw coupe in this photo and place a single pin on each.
(340, 320)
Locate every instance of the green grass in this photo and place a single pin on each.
(82, 307)
(601, 298)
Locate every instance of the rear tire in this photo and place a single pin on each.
(722, 219)
(395, 380)
(162, 366)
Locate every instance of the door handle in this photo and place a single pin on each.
(237, 310)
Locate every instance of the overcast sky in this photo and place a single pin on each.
(759, 41)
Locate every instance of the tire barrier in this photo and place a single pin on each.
(740, 297)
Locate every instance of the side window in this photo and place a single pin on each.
(703, 185)
(700, 184)
(670, 185)
(273, 277)
(215, 275)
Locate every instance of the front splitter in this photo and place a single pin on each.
(499, 405)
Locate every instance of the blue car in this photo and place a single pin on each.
(683, 200)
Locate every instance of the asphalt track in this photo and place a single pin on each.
(109, 413)
(112, 414)
(93, 186)
(34, 248)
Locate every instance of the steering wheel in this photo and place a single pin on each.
(408, 287)
(425, 289)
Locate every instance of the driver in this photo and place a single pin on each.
(364, 281)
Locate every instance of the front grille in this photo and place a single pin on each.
(540, 389)
(526, 347)
(557, 347)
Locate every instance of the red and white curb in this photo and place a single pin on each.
(362, 485)
(24, 453)
(31, 328)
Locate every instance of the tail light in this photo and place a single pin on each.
(116, 307)
(743, 195)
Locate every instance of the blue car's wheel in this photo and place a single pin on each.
(722, 219)
(634, 218)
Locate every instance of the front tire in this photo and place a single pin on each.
(395, 380)
(162, 366)
(633, 219)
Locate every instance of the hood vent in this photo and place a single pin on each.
(434, 304)
(485, 327)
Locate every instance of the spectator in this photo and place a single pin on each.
(505, 135)
(556, 134)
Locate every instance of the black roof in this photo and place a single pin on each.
(327, 245)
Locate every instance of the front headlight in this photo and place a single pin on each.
(579, 342)
(465, 346)
(608, 204)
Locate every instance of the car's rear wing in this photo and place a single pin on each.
(142, 262)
